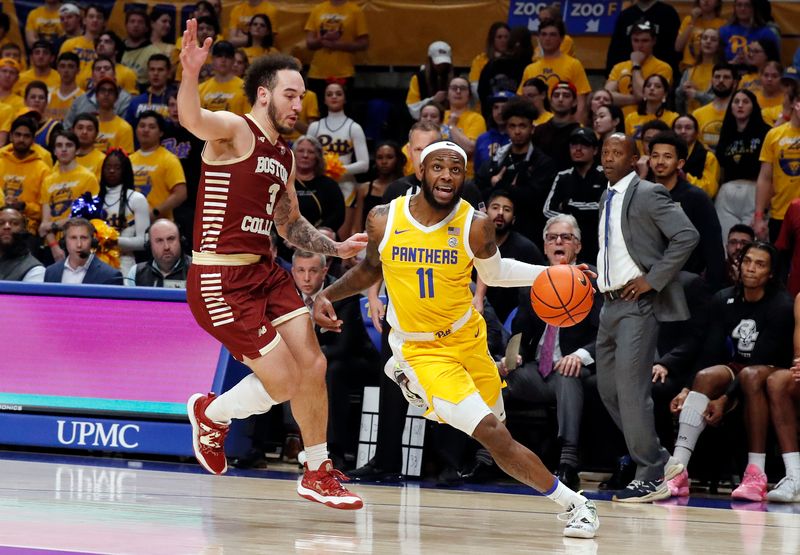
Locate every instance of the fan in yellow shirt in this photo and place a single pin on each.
(41, 70)
(44, 23)
(241, 17)
(224, 91)
(335, 31)
(157, 173)
(107, 45)
(553, 11)
(83, 47)
(709, 120)
(652, 106)
(704, 15)
(626, 80)
(9, 75)
(64, 95)
(769, 94)
(67, 182)
(115, 132)
(7, 115)
(22, 172)
(462, 125)
(86, 128)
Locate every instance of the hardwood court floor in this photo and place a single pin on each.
(77, 505)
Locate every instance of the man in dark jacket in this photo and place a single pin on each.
(16, 261)
(169, 265)
(81, 265)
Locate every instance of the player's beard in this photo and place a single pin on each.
(272, 114)
(427, 192)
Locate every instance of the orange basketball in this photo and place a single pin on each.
(562, 295)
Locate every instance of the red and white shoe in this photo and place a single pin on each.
(208, 437)
(323, 486)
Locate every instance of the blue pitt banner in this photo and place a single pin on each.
(581, 17)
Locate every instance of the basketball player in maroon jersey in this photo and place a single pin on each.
(235, 290)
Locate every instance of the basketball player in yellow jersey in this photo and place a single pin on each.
(424, 247)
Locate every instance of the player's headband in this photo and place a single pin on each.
(442, 145)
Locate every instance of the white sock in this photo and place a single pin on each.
(246, 398)
(316, 455)
(564, 496)
(758, 459)
(691, 424)
(792, 463)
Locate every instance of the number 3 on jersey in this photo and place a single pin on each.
(273, 192)
(425, 276)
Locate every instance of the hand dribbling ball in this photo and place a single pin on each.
(562, 295)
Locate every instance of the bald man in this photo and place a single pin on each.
(168, 265)
(645, 239)
(16, 261)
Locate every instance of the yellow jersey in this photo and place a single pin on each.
(635, 121)
(59, 105)
(125, 77)
(61, 189)
(349, 21)
(770, 114)
(700, 77)
(13, 101)
(7, 115)
(115, 133)
(427, 270)
(92, 161)
(472, 125)
(156, 174)
(21, 179)
(551, 70)
(52, 80)
(83, 47)
(692, 48)
(243, 12)
(45, 22)
(216, 96)
(768, 102)
(567, 47)
(709, 122)
(253, 52)
(782, 150)
(622, 73)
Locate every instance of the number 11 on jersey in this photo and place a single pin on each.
(422, 273)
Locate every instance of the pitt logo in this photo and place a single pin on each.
(272, 167)
(443, 333)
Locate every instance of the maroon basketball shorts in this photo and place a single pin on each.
(240, 306)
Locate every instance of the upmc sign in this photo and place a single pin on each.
(101, 434)
(580, 17)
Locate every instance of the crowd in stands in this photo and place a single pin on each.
(94, 161)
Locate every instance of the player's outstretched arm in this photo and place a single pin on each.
(204, 124)
(358, 278)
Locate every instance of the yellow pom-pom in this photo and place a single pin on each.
(333, 166)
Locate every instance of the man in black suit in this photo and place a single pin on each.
(352, 360)
(81, 265)
(560, 379)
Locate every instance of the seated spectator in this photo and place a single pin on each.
(488, 142)
(61, 188)
(709, 117)
(155, 98)
(501, 209)
(607, 121)
(260, 38)
(553, 136)
(9, 75)
(694, 88)
(114, 131)
(576, 191)
(223, 91)
(496, 46)
(36, 104)
(319, 197)
(342, 136)
(123, 208)
(747, 24)
(554, 361)
(157, 173)
(207, 28)
(432, 112)
(42, 68)
(538, 93)
(389, 163)
(80, 264)
(505, 72)
(62, 97)
(71, 23)
(555, 66)
(653, 105)
(770, 94)
(553, 11)
(749, 337)
(137, 47)
(626, 79)
(23, 171)
(666, 23)
(648, 131)
(102, 68)
(520, 167)
(704, 16)
(241, 19)
(742, 136)
(778, 115)
(352, 360)
(87, 128)
(702, 167)
(738, 236)
(462, 125)
(667, 157)
(16, 261)
(162, 31)
(783, 390)
(241, 63)
(168, 266)
(94, 21)
(44, 22)
(108, 45)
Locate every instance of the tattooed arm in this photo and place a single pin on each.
(298, 231)
(358, 278)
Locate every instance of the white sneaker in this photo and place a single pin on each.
(787, 491)
(582, 521)
(672, 469)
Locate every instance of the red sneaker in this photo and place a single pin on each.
(323, 487)
(208, 437)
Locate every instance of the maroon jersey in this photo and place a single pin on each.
(235, 199)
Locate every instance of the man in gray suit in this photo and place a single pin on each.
(645, 239)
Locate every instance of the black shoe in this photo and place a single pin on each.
(255, 458)
(643, 491)
(479, 472)
(623, 474)
(449, 477)
(372, 473)
(568, 475)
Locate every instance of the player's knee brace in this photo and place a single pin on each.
(693, 408)
(464, 415)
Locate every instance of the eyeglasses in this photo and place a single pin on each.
(565, 237)
(459, 88)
